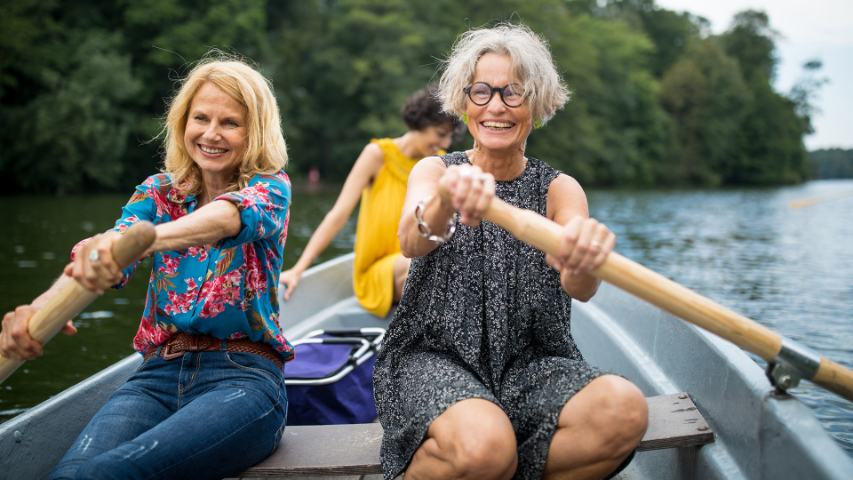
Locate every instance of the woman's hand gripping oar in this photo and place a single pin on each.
(658, 290)
(72, 297)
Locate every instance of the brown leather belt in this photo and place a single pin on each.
(183, 342)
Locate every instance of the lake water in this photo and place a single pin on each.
(788, 268)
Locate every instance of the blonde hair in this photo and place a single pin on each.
(266, 151)
(532, 65)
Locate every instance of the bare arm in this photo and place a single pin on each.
(216, 220)
(423, 184)
(586, 242)
(467, 190)
(365, 169)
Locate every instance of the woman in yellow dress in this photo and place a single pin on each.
(380, 177)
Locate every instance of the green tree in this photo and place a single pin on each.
(82, 105)
(832, 163)
(751, 41)
(805, 91)
(78, 130)
(612, 131)
(67, 95)
(345, 69)
(703, 93)
(770, 148)
(656, 99)
(670, 32)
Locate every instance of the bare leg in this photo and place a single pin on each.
(471, 439)
(598, 428)
(401, 271)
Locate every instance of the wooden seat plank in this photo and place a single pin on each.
(674, 421)
(323, 450)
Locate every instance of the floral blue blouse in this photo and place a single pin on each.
(227, 290)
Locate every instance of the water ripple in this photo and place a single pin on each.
(791, 270)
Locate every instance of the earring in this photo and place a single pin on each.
(465, 118)
(537, 124)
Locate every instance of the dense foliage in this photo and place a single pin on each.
(832, 163)
(657, 100)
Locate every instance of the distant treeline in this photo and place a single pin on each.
(832, 163)
(656, 99)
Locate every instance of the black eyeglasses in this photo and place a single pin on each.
(481, 93)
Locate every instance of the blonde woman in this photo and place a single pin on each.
(209, 399)
(379, 178)
(479, 376)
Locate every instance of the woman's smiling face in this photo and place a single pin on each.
(215, 133)
(495, 126)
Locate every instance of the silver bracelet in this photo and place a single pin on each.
(424, 229)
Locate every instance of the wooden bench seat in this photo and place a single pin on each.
(674, 421)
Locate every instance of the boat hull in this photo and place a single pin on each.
(758, 435)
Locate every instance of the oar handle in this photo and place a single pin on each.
(73, 298)
(834, 377)
(658, 290)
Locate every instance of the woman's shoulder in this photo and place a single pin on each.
(544, 171)
(160, 182)
(384, 147)
(261, 189)
(379, 147)
(382, 142)
(539, 164)
(454, 158)
(561, 186)
(279, 179)
(160, 189)
(158, 179)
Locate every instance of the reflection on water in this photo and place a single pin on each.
(790, 269)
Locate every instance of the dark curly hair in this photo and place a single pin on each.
(423, 109)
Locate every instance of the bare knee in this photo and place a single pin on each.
(484, 454)
(622, 414)
(473, 439)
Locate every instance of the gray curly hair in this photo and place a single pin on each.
(532, 65)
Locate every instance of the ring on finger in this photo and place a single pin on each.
(94, 256)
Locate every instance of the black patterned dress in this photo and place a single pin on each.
(482, 316)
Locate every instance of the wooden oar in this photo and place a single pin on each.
(658, 290)
(73, 298)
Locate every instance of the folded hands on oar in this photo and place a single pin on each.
(585, 244)
(469, 191)
(584, 241)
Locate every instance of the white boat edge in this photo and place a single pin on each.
(758, 435)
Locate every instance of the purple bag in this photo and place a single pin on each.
(331, 379)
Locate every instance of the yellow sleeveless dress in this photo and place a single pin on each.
(376, 243)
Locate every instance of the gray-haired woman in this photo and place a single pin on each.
(479, 376)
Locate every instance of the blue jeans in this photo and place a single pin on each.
(202, 415)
